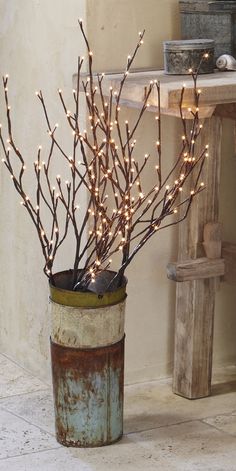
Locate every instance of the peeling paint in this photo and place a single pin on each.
(88, 389)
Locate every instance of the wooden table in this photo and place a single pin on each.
(204, 260)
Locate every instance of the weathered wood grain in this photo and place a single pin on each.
(195, 300)
(212, 239)
(227, 110)
(217, 88)
(198, 269)
(212, 94)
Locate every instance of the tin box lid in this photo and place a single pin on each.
(189, 44)
(217, 6)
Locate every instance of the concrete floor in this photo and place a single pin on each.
(162, 431)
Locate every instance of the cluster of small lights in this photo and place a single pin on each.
(113, 226)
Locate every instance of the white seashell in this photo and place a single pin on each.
(226, 62)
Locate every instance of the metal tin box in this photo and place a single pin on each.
(210, 19)
(181, 56)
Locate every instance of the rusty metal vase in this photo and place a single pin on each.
(87, 353)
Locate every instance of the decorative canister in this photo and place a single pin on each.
(210, 19)
(181, 56)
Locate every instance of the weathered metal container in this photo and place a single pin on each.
(210, 19)
(183, 55)
(87, 352)
(81, 327)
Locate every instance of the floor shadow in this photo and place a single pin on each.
(148, 422)
(223, 388)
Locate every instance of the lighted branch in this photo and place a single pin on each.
(122, 212)
(124, 177)
(45, 194)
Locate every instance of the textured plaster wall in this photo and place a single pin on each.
(225, 319)
(39, 42)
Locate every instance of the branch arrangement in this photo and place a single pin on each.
(122, 214)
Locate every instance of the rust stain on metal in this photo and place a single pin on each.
(88, 389)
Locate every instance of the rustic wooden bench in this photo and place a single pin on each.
(203, 259)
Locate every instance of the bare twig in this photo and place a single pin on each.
(121, 213)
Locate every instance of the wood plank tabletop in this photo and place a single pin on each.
(216, 88)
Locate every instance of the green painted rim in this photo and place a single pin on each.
(85, 299)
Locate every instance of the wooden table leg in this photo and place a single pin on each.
(196, 299)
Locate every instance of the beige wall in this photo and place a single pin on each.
(44, 55)
(113, 27)
(39, 44)
(225, 319)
